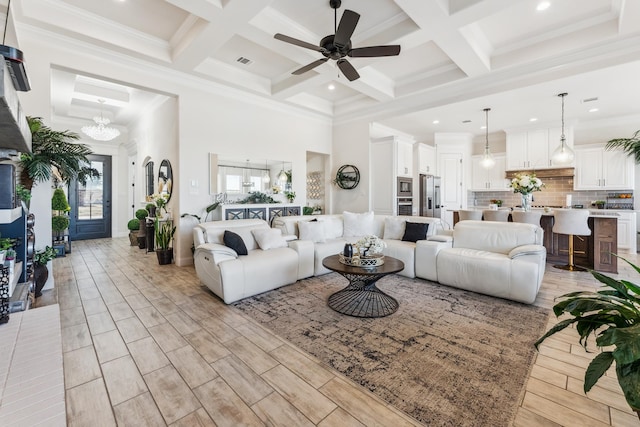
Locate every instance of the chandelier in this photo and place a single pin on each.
(100, 131)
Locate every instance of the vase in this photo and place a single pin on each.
(165, 256)
(40, 274)
(526, 201)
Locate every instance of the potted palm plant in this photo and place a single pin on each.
(164, 231)
(612, 315)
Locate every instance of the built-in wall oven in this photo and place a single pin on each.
(405, 187)
(405, 196)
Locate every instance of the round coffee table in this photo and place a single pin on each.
(361, 298)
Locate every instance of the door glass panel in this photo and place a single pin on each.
(90, 203)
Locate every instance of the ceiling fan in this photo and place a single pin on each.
(338, 45)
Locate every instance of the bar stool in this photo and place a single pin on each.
(527, 217)
(469, 214)
(496, 215)
(571, 222)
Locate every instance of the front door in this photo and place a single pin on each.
(91, 203)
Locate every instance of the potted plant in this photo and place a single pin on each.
(5, 244)
(290, 195)
(164, 231)
(60, 220)
(141, 215)
(612, 315)
(54, 154)
(151, 208)
(599, 204)
(10, 259)
(40, 271)
(133, 225)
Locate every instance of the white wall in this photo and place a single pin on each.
(351, 146)
(210, 118)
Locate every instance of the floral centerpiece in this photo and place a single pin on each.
(370, 245)
(160, 200)
(526, 184)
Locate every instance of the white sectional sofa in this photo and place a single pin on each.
(505, 260)
(233, 277)
(336, 230)
(502, 259)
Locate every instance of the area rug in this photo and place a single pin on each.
(447, 357)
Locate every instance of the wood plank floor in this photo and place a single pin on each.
(146, 345)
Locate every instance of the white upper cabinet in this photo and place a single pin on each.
(600, 169)
(426, 159)
(532, 149)
(405, 158)
(492, 179)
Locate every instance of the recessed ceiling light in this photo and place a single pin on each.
(435, 122)
(543, 5)
(483, 127)
(331, 86)
(593, 110)
(533, 119)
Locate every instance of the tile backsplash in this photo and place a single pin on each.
(553, 194)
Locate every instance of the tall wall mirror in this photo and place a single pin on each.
(239, 177)
(150, 178)
(165, 178)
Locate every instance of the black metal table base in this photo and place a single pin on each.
(362, 298)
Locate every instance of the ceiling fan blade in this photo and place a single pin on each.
(300, 43)
(311, 66)
(348, 70)
(346, 27)
(372, 51)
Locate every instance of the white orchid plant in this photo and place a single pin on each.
(526, 184)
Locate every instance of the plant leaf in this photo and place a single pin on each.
(596, 369)
(629, 380)
(556, 328)
(626, 340)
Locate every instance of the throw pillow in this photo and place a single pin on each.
(394, 228)
(235, 242)
(415, 231)
(356, 225)
(269, 238)
(311, 230)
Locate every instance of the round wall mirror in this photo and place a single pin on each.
(165, 179)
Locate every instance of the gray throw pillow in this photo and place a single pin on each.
(235, 242)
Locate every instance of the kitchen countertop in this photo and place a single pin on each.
(601, 213)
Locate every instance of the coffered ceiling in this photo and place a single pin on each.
(457, 56)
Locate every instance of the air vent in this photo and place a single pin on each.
(466, 121)
(244, 61)
(595, 98)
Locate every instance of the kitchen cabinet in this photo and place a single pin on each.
(492, 179)
(627, 232)
(404, 156)
(391, 157)
(426, 159)
(532, 149)
(600, 169)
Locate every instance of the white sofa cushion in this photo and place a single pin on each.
(333, 226)
(393, 228)
(312, 230)
(269, 238)
(495, 236)
(357, 224)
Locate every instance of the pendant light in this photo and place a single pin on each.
(563, 154)
(282, 176)
(487, 161)
(266, 177)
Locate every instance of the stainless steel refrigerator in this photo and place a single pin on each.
(430, 196)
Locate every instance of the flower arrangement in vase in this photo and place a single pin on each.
(526, 184)
(369, 245)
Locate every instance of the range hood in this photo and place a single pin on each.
(544, 173)
(15, 135)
